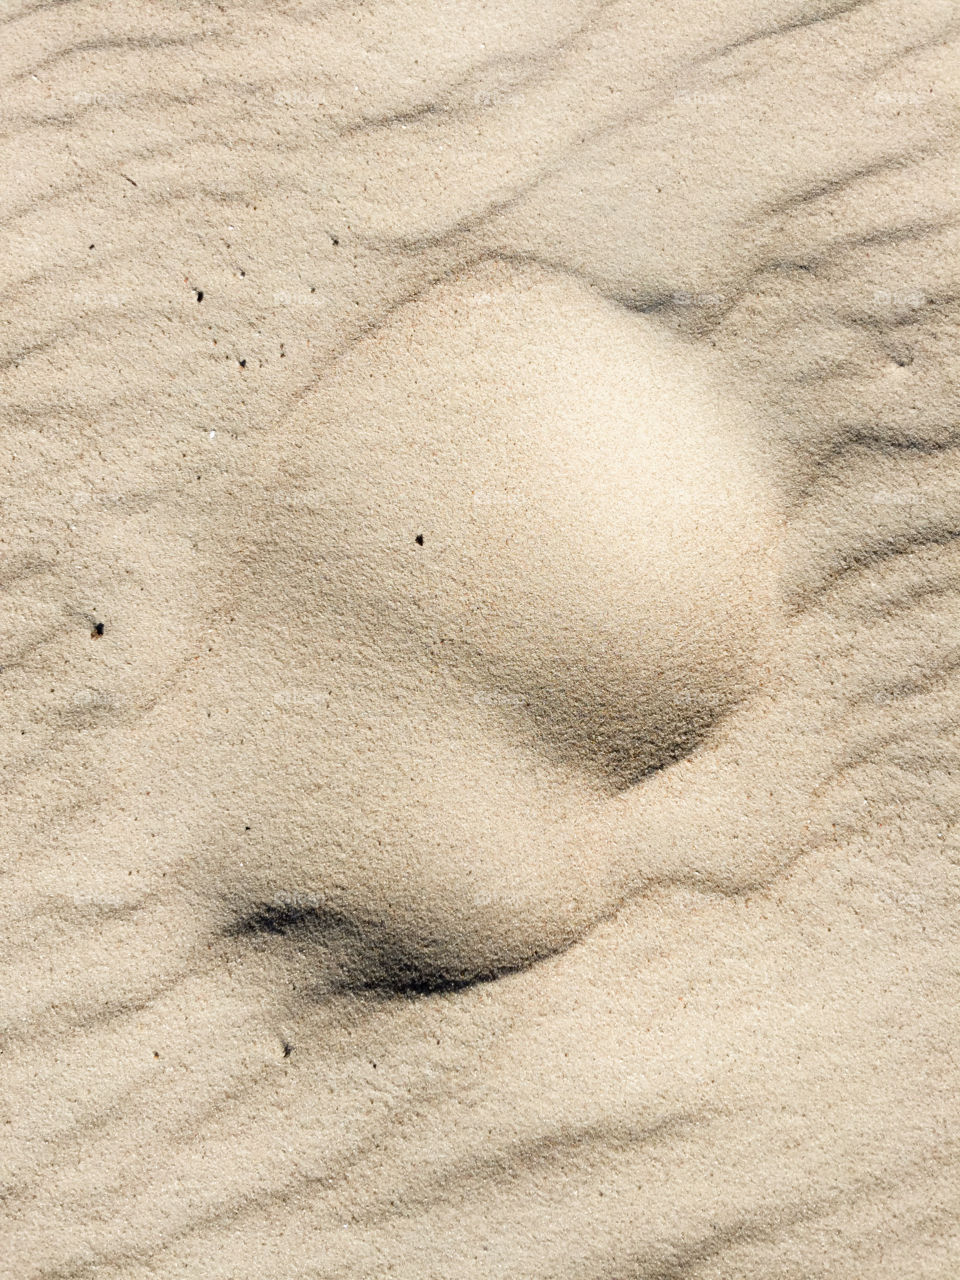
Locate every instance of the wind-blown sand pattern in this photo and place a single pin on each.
(480, 656)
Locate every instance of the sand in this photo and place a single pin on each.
(479, 665)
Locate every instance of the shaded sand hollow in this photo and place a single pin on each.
(480, 642)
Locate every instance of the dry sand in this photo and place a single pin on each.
(480, 765)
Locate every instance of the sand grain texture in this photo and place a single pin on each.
(480, 647)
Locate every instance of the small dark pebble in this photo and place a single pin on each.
(199, 293)
(98, 629)
(242, 363)
(419, 539)
(287, 1049)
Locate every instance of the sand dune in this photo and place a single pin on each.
(479, 662)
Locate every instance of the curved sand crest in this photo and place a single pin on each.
(521, 553)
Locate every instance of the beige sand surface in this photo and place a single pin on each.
(480, 643)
